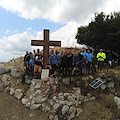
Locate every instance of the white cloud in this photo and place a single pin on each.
(66, 35)
(110, 6)
(7, 31)
(61, 11)
(30, 28)
(16, 45)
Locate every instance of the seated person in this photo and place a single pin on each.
(52, 73)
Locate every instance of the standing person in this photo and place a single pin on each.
(100, 58)
(34, 52)
(93, 63)
(76, 63)
(70, 59)
(81, 57)
(58, 58)
(61, 55)
(13, 62)
(84, 60)
(26, 60)
(89, 61)
(38, 63)
(61, 66)
(31, 55)
(31, 65)
(88, 48)
(53, 60)
(76, 59)
(64, 64)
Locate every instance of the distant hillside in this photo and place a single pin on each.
(73, 49)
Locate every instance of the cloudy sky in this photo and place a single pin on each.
(23, 20)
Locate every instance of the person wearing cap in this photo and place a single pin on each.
(101, 56)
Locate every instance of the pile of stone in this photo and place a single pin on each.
(108, 83)
(4, 70)
(62, 106)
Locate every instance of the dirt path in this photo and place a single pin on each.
(12, 109)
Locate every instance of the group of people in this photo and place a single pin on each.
(34, 62)
(66, 63)
(82, 62)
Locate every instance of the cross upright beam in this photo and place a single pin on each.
(45, 43)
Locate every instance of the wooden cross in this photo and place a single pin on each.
(45, 43)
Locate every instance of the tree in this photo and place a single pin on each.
(102, 32)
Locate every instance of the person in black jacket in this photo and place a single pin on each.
(26, 60)
(64, 64)
(70, 59)
(38, 63)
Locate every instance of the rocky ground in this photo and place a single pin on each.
(12, 109)
(90, 105)
(103, 108)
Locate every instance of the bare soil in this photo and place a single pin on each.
(12, 109)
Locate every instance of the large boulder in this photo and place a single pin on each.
(45, 107)
(12, 91)
(24, 101)
(2, 70)
(103, 86)
(8, 70)
(15, 72)
(56, 107)
(19, 93)
(110, 85)
(35, 106)
(5, 79)
(66, 81)
(117, 101)
(39, 99)
(65, 109)
(51, 117)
